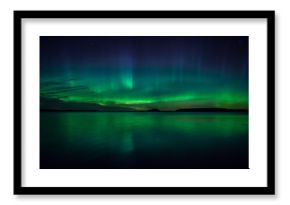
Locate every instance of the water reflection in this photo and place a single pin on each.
(144, 140)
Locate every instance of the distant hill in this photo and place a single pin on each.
(211, 110)
(153, 110)
(56, 105)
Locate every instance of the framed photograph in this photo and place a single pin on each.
(144, 102)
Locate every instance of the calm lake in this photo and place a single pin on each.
(143, 140)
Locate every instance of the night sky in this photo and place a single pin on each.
(143, 72)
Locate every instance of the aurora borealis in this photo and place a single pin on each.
(143, 72)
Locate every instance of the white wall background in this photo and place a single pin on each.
(282, 99)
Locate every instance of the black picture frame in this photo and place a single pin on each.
(268, 15)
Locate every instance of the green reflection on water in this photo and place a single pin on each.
(144, 140)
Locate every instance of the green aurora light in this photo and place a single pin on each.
(143, 73)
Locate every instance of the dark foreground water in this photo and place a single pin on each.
(123, 140)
